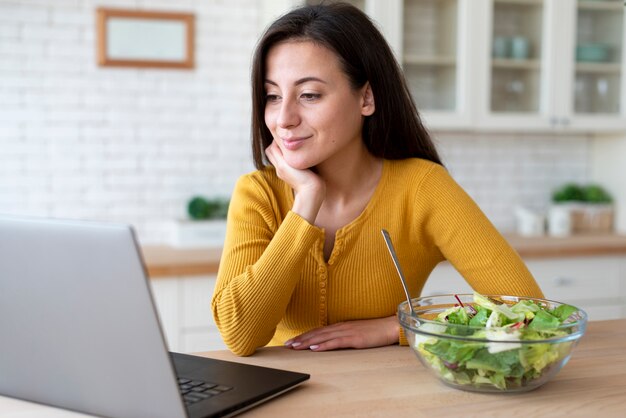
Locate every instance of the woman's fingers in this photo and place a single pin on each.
(308, 187)
(352, 334)
(322, 337)
(292, 176)
(271, 154)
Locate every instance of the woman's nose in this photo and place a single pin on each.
(288, 114)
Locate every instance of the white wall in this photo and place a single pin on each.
(609, 169)
(78, 140)
(502, 171)
(132, 145)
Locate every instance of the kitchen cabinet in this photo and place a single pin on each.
(596, 284)
(432, 41)
(568, 74)
(184, 302)
(587, 271)
(184, 307)
(511, 65)
(434, 48)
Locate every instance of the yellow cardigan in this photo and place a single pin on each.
(274, 284)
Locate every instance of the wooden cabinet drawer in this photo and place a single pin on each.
(184, 308)
(596, 281)
(196, 294)
(165, 295)
(199, 340)
(445, 280)
(591, 283)
(601, 313)
(573, 279)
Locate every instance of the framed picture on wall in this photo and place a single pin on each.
(139, 38)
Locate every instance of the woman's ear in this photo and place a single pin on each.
(368, 105)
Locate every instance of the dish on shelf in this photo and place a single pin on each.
(592, 52)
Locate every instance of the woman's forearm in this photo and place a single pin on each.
(255, 283)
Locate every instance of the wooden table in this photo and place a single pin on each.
(390, 382)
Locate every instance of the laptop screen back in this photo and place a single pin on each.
(74, 319)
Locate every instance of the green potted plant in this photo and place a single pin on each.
(201, 208)
(205, 225)
(589, 207)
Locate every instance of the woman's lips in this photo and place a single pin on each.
(294, 143)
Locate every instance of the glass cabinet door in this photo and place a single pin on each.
(531, 65)
(432, 42)
(360, 4)
(435, 53)
(598, 57)
(429, 55)
(553, 65)
(516, 51)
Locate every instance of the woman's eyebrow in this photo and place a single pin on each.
(299, 81)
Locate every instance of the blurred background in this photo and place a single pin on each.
(525, 99)
(134, 144)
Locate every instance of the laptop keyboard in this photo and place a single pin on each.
(196, 390)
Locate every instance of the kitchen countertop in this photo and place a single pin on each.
(165, 261)
(390, 382)
(571, 246)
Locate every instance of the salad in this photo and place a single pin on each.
(490, 342)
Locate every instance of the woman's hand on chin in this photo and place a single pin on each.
(309, 189)
(364, 333)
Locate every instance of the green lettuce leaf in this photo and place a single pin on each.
(544, 320)
(563, 312)
(501, 308)
(480, 319)
(538, 356)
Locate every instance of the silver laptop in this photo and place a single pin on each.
(79, 330)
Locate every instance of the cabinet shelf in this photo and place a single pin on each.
(600, 5)
(521, 2)
(433, 60)
(515, 64)
(598, 68)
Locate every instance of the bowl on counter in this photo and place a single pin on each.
(490, 358)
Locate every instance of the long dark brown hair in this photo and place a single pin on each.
(394, 131)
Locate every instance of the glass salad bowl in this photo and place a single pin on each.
(492, 343)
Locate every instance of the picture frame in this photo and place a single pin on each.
(140, 38)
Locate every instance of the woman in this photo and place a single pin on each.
(304, 262)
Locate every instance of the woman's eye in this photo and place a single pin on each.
(271, 98)
(310, 96)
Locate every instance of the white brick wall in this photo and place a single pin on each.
(132, 145)
(502, 171)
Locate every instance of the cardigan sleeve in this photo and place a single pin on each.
(260, 266)
(469, 240)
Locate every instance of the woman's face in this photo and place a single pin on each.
(311, 109)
